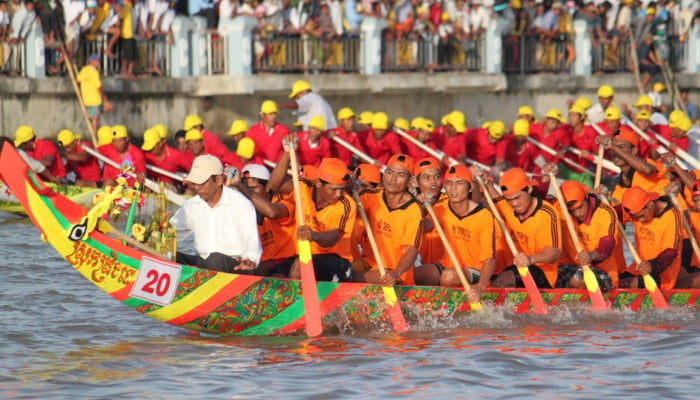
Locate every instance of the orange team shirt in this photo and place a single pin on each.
(431, 249)
(694, 219)
(268, 143)
(340, 215)
(132, 151)
(89, 169)
(480, 149)
(277, 236)
(472, 236)
(540, 230)
(172, 160)
(601, 222)
(312, 155)
(341, 152)
(652, 183)
(47, 148)
(662, 232)
(394, 229)
(383, 148)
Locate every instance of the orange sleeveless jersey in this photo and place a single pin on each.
(394, 230)
(662, 232)
(653, 183)
(340, 215)
(472, 236)
(431, 248)
(277, 236)
(694, 219)
(540, 230)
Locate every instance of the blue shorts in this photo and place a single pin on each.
(94, 111)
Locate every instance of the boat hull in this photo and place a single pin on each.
(223, 303)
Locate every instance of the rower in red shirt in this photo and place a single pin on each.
(675, 132)
(526, 113)
(380, 142)
(582, 136)
(313, 146)
(268, 133)
(521, 153)
(212, 143)
(612, 120)
(488, 147)
(158, 154)
(245, 154)
(104, 138)
(120, 152)
(550, 134)
(344, 130)
(86, 169)
(455, 136)
(41, 150)
(424, 134)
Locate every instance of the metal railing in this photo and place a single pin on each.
(216, 54)
(12, 58)
(528, 54)
(306, 54)
(431, 54)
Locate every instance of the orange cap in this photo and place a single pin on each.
(635, 199)
(368, 172)
(628, 134)
(513, 181)
(333, 170)
(425, 163)
(695, 190)
(402, 159)
(574, 194)
(459, 171)
(309, 172)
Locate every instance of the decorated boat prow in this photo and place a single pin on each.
(222, 303)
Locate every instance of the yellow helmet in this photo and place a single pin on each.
(66, 137)
(151, 137)
(162, 131)
(299, 86)
(24, 134)
(104, 135)
(191, 121)
(521, 127)
(317, 122)
(237, 127)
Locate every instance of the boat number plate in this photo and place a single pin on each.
(157, 281)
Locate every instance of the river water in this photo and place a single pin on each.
(64, 338)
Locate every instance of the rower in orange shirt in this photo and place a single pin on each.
(268, 133)
(428, 181)
(41, 150)
(657, 234)
(596, 225)
(470, 229)
(212, 143)
(329, 218)
(535, 228)
(313, 145)
(367, 177)
(159, 154)
(380, 142)
(395, 218)
(689, 275)
(344, 130)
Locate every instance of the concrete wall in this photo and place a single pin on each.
(50, 105)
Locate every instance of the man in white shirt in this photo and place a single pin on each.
(221, 220)
(308, 104)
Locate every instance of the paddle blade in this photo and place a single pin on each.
(533, 291)
(655, 292)
(594, 291)
(397, 319)
(312, 307)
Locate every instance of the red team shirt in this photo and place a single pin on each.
(309, 155)
(134, 152)
(268, 144)
(480, 149)
(383, 148)
(173, 160)
(88, 170)
(47, 148)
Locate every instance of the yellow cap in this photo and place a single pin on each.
(416, 122)
(644, 114)
(575, 108)
(525, 110)
(119, 132)
(456, 119)
(151, 137)
(24, 134)
(644, 100)
(675, 115)
(365, 117)
(683, 124)
(555, 113)
(486, 124)
(606, 91)
(380, 121)
(427, 124)
(613, 113)
(583, 102)
(659, 87)
(237, 127)
(162, 131)
(402, 123)
(193, 134)
(297, 124)
(345, 113)
(445, 16)
(516, 4)
(268, 107)
(104, 135)
(497, 129)
(191, 121)
(299, 86)
(66, 137)
(521, 127)
(246, 148)
(317, 122)
(651, 11)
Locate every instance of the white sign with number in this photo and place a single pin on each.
(157, 281)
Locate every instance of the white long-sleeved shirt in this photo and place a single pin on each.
(229, 227)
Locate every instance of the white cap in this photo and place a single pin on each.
(203, 168)
(256, 171)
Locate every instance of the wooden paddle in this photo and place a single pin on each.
(635, 61)
(451, 253)
(686, 225)
(533, 291)
(553, 152)
(649, 282)
(359, 153)
(397, 319)
(599, 166)
(589, 277)
(435, 153)
(665, 143)
(607, 164)
(166, 173)
(312, 307)
(76, 89)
